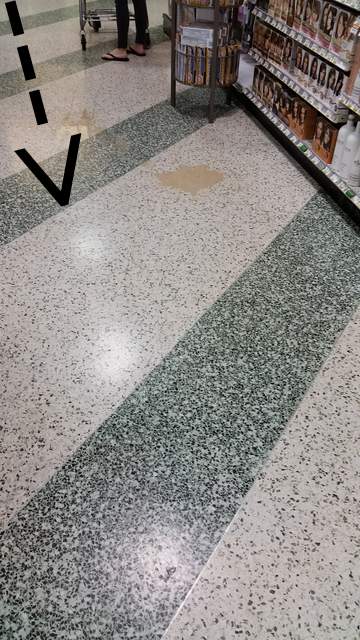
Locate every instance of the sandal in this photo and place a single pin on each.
(113, 58)
(135, 53)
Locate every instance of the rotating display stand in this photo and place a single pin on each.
(213, 63)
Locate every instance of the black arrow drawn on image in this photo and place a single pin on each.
(62, 196)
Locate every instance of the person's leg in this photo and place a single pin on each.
(141, 20)
(122, 19)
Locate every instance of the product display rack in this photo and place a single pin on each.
(336, 117)
(214, 54)
(302, 39)
(174, 25)
(329, 179)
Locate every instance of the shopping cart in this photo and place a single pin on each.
(96, 17)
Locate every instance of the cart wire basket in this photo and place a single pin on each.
(95, 18)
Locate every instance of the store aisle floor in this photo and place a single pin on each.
(158, 335)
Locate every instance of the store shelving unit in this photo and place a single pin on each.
(338, 116)
(302, 39)
(332, 182)
(350, 104)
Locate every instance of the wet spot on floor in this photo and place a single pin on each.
(191, 179)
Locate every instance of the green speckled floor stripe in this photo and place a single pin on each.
(102, 159)
(55, 15)
(109, 548)
(13, 82)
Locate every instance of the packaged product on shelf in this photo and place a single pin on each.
(284, 10)
(320, 88)
(344, 132)
(353, 84)
(294, 115)
(313, 73)
(268, 91)
(299, 11)
(272, 7)
(267, 41)
(286, 104)
(324, 139)
(277, 98)
(331, 80)
(291, 13)
(256, 81)
(278, 7)
(343, 39)
(299, 52)
(286, 61)
(327, 24)
(261, 83)
(258, 36)
(334, 99)
(307, 17)
(304, 126)
(277, 45)
(305, 69)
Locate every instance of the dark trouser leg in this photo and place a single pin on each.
(141, 20)
(122, 18)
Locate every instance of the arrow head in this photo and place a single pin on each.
(61, 196)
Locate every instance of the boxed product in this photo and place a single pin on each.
(268, 91)
(256, 81)
(303, 123)
(339, 84)
(294, 114)
(327, 24)
(299, 11)
(272, 7)
(291, 13)
(313, 73)
(285, 107)
(278, 8)
(286, 61)
(277, 45)
(320, 87)
(324, 139)
(343, 41)
(258, 36)
(331, 80)
(353, 84)
(278, 89)
(298, 64)
(284, 10)
(311, 18)
(305, 69)
(307, 17)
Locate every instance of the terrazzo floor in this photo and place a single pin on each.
(179, 371)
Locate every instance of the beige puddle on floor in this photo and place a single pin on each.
(191, 179)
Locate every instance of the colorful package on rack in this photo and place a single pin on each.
(344, 35)
(299, 11)
(299, 52)
(305, 69)
(313, 73)
(324, 139)
(277, 98)
(286, 102)
(272, 7)
(306, 21)
(352, 87)
(291, 13)
(306, 120)
(320, 88)
(284, 10)
(286, 61)
(327, 24)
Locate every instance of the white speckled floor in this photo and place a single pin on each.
(288, 565)
(197, 239)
